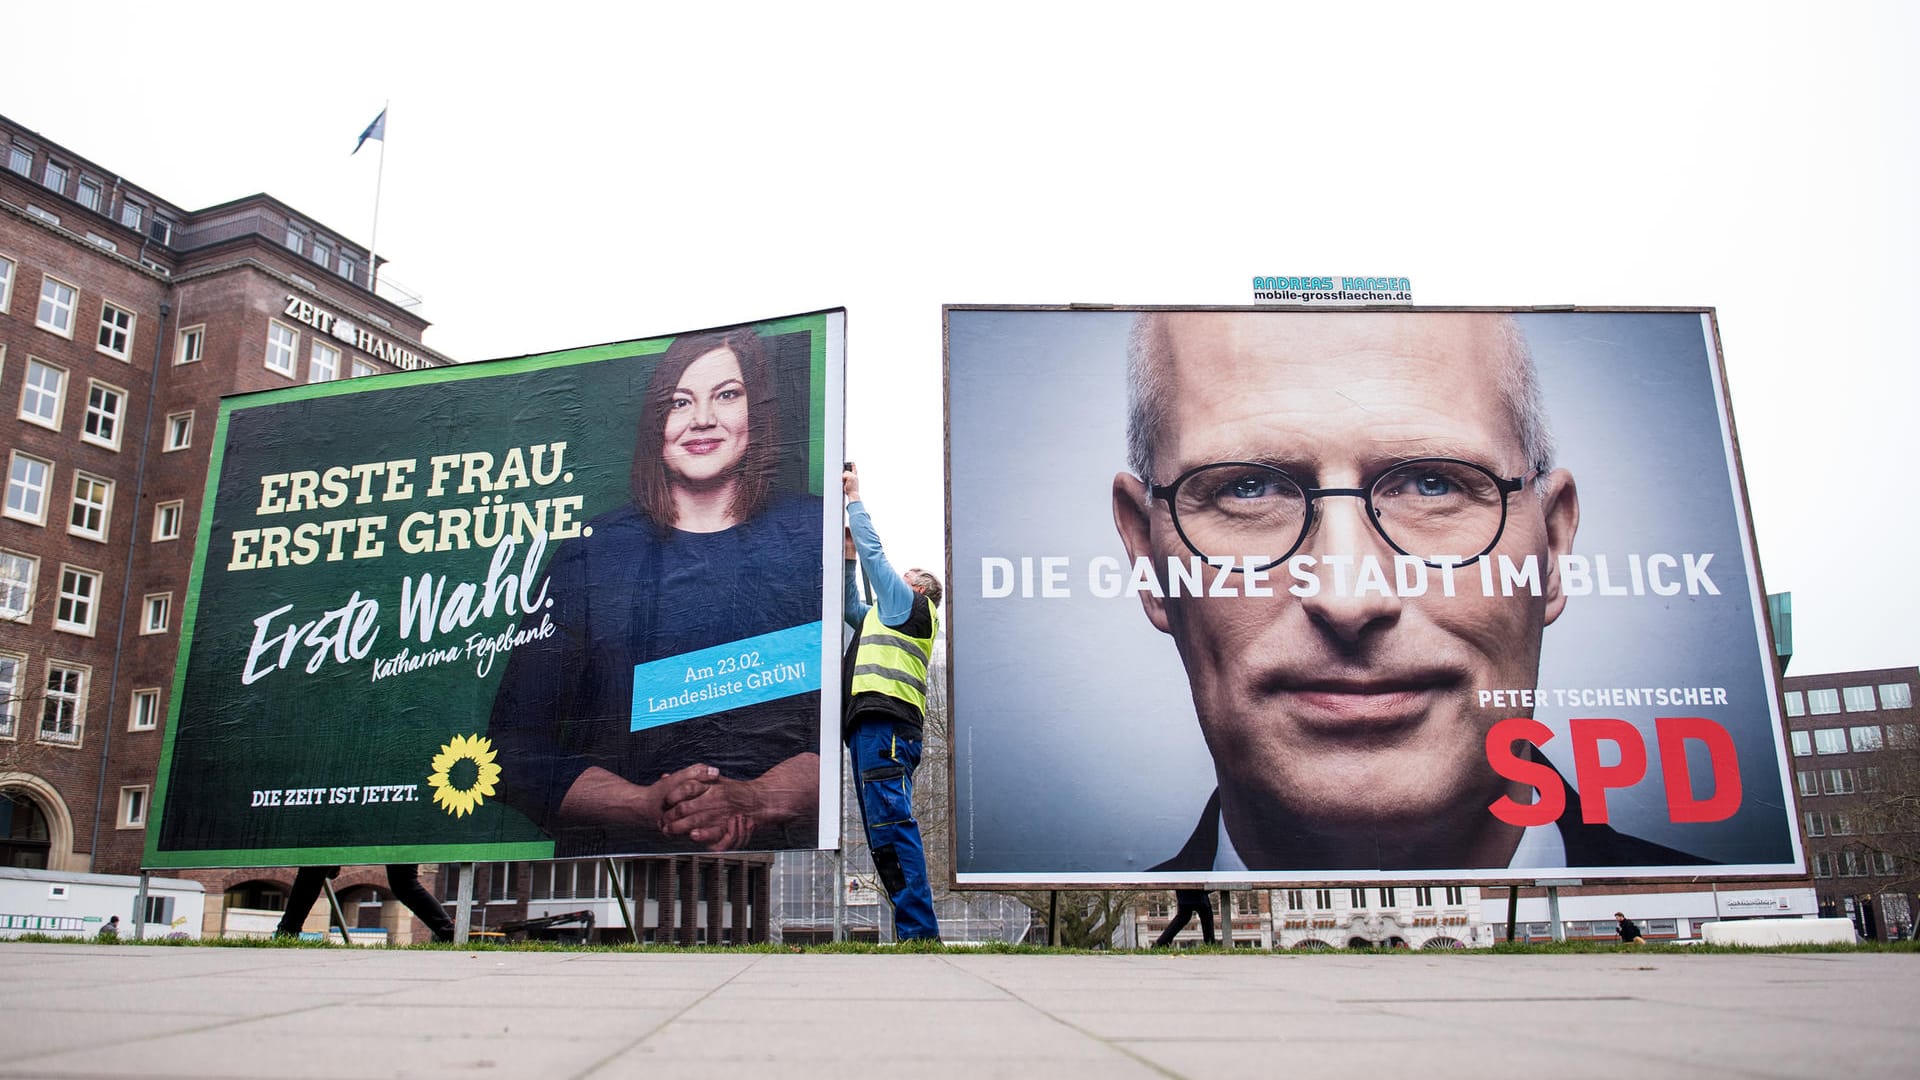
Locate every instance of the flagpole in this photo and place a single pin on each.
(379, 176)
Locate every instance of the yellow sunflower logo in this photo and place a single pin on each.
(463, 774)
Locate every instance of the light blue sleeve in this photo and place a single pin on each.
(855, 609)
(889, 588)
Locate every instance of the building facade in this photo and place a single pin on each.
(124, 319)
(1855, 743)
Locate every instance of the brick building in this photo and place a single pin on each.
(124, 318)
(1856, 763)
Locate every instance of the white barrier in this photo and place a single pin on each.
(1766, 932)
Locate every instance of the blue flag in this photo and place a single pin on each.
(375, 130)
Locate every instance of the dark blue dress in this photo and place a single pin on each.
(627, 595)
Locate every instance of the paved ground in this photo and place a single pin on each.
(126, 1011)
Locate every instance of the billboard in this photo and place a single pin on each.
(1258, 595)
(572, 604)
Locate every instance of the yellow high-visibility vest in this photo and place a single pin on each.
(890, 662)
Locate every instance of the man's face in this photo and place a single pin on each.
(1351, 711)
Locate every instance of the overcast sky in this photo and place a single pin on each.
(581, 174)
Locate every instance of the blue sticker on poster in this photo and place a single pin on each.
(744, 672)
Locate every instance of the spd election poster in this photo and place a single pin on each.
(1270, 595)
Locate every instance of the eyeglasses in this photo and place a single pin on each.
(1438, 510)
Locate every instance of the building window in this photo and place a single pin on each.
(13, 667)
(146, 710)
(1836, 781)
(1823, 864)
(324, 364)
(1870, 778)
(43, 393)
(54, 177)
(1859, 698)
(1816, 823)
(1809, 782)
(133, 807)
(1896, 695)
(1455, 896)
(1423, 896)
(1902, 737)
(130, 213)
(361, 367)
(63, 712)
(321, 254)
(116, 331)
(79, 600)
(6, 283)
(166, 519)
(1839, 823)
(1796, 703)
(500, 882)
(283, 348)
(179, 431)
(1883, 862)
(1389, 898)
(1323, 899)
(161, 231)
(92, 503)
(1823, 702)
(1296, 900)
(1852, 865)
(57, 301)
(346, 267)
(1830, 740)
(1356, 898)
(158, 607)
(295, 241)
(27, 480)
(20, 159)
(188, 347)
(89, 195)
(99, 241)
(104, 405)
(1802, 743)
(17, 574)
(1864, 737)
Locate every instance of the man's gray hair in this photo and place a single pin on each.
(1149, 386)
(925, 579)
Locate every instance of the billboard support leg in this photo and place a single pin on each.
(463, 905)
(140, 909)
(1226, 919)
(1513, 911)
(620, 896)
(1553, 913)
(840, 892)
(1053, 918)
(333, 905)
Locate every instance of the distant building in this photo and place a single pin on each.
(1855, 743)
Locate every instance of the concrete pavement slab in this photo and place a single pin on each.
(125, 1011)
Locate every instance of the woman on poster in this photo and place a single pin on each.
(705, 554)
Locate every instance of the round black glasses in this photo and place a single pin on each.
(1438, 510)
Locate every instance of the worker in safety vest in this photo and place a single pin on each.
(886, 695)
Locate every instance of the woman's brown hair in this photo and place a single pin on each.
(652, 493)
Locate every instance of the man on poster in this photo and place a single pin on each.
(886, 694)
(1343, 720)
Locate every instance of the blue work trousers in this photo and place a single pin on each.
(883, 765)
